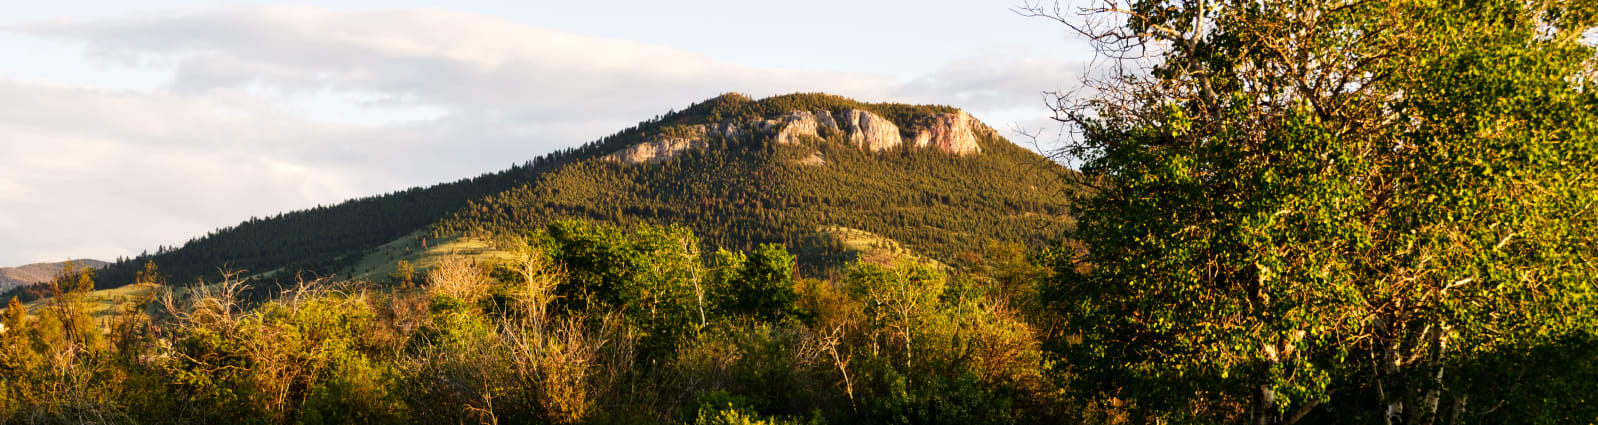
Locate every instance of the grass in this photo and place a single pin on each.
(374, 267)
(103, 303)
(423, 253)
(873, 248)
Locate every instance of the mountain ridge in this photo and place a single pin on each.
(736, 171)
(951, 133)
(883, 168)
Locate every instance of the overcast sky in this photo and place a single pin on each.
(125, 125)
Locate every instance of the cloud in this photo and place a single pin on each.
(116, 173)
(279, 108)
(459, 61)
(991, 82)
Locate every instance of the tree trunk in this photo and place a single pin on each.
(1392, 393)
(1459, 409)
(1265, 406)
(1300, 412)
(1439, 345)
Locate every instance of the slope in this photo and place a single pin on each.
(331, 238)
(739, 174)
(738, 171)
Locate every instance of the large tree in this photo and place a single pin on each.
(1297, 204)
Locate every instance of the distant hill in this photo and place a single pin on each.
(11, 277)
(924, 180)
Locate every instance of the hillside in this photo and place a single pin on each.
(741, 172)
(737, 171)
(334, 237)
(11, 277)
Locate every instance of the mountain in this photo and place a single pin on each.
(741, 172)
(801, 169)
(11, 277)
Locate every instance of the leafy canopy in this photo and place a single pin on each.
(1294, 197)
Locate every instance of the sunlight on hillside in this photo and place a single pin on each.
(423, 253)
(873, 248)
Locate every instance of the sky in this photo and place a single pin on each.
(128, 125)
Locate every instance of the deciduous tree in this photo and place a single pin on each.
(1297, 202)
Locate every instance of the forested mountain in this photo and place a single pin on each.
(737, 185)
(738, 171)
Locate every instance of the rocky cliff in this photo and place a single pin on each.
(952, 133)
(657, 149)
(869, 131)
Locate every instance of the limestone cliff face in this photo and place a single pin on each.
(952, 133)
(801, 123)
(869, 131)
(656, 150)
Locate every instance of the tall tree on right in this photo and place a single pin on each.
(1329, 211)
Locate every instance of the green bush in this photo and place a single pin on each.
(595, 324)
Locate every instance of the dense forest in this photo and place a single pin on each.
(1301, 213)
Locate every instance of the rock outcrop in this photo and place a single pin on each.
(802, 123)
(813, 159)
(869, 131)
(656, 150)
(952, 133)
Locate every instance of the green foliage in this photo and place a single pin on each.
(943, 400)
(650, 275)
(737, 108)
(1264, 241)
(357, 390)
(16, 316)
(593, 323)
(927, 351)
(732, 416)
(65, 322)
(722, 408)
(759, 284)
(404, 274)
(1547, 382)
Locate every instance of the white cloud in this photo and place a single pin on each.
(13, 191)
(455, 60)
(989, 82)
(282, 108)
